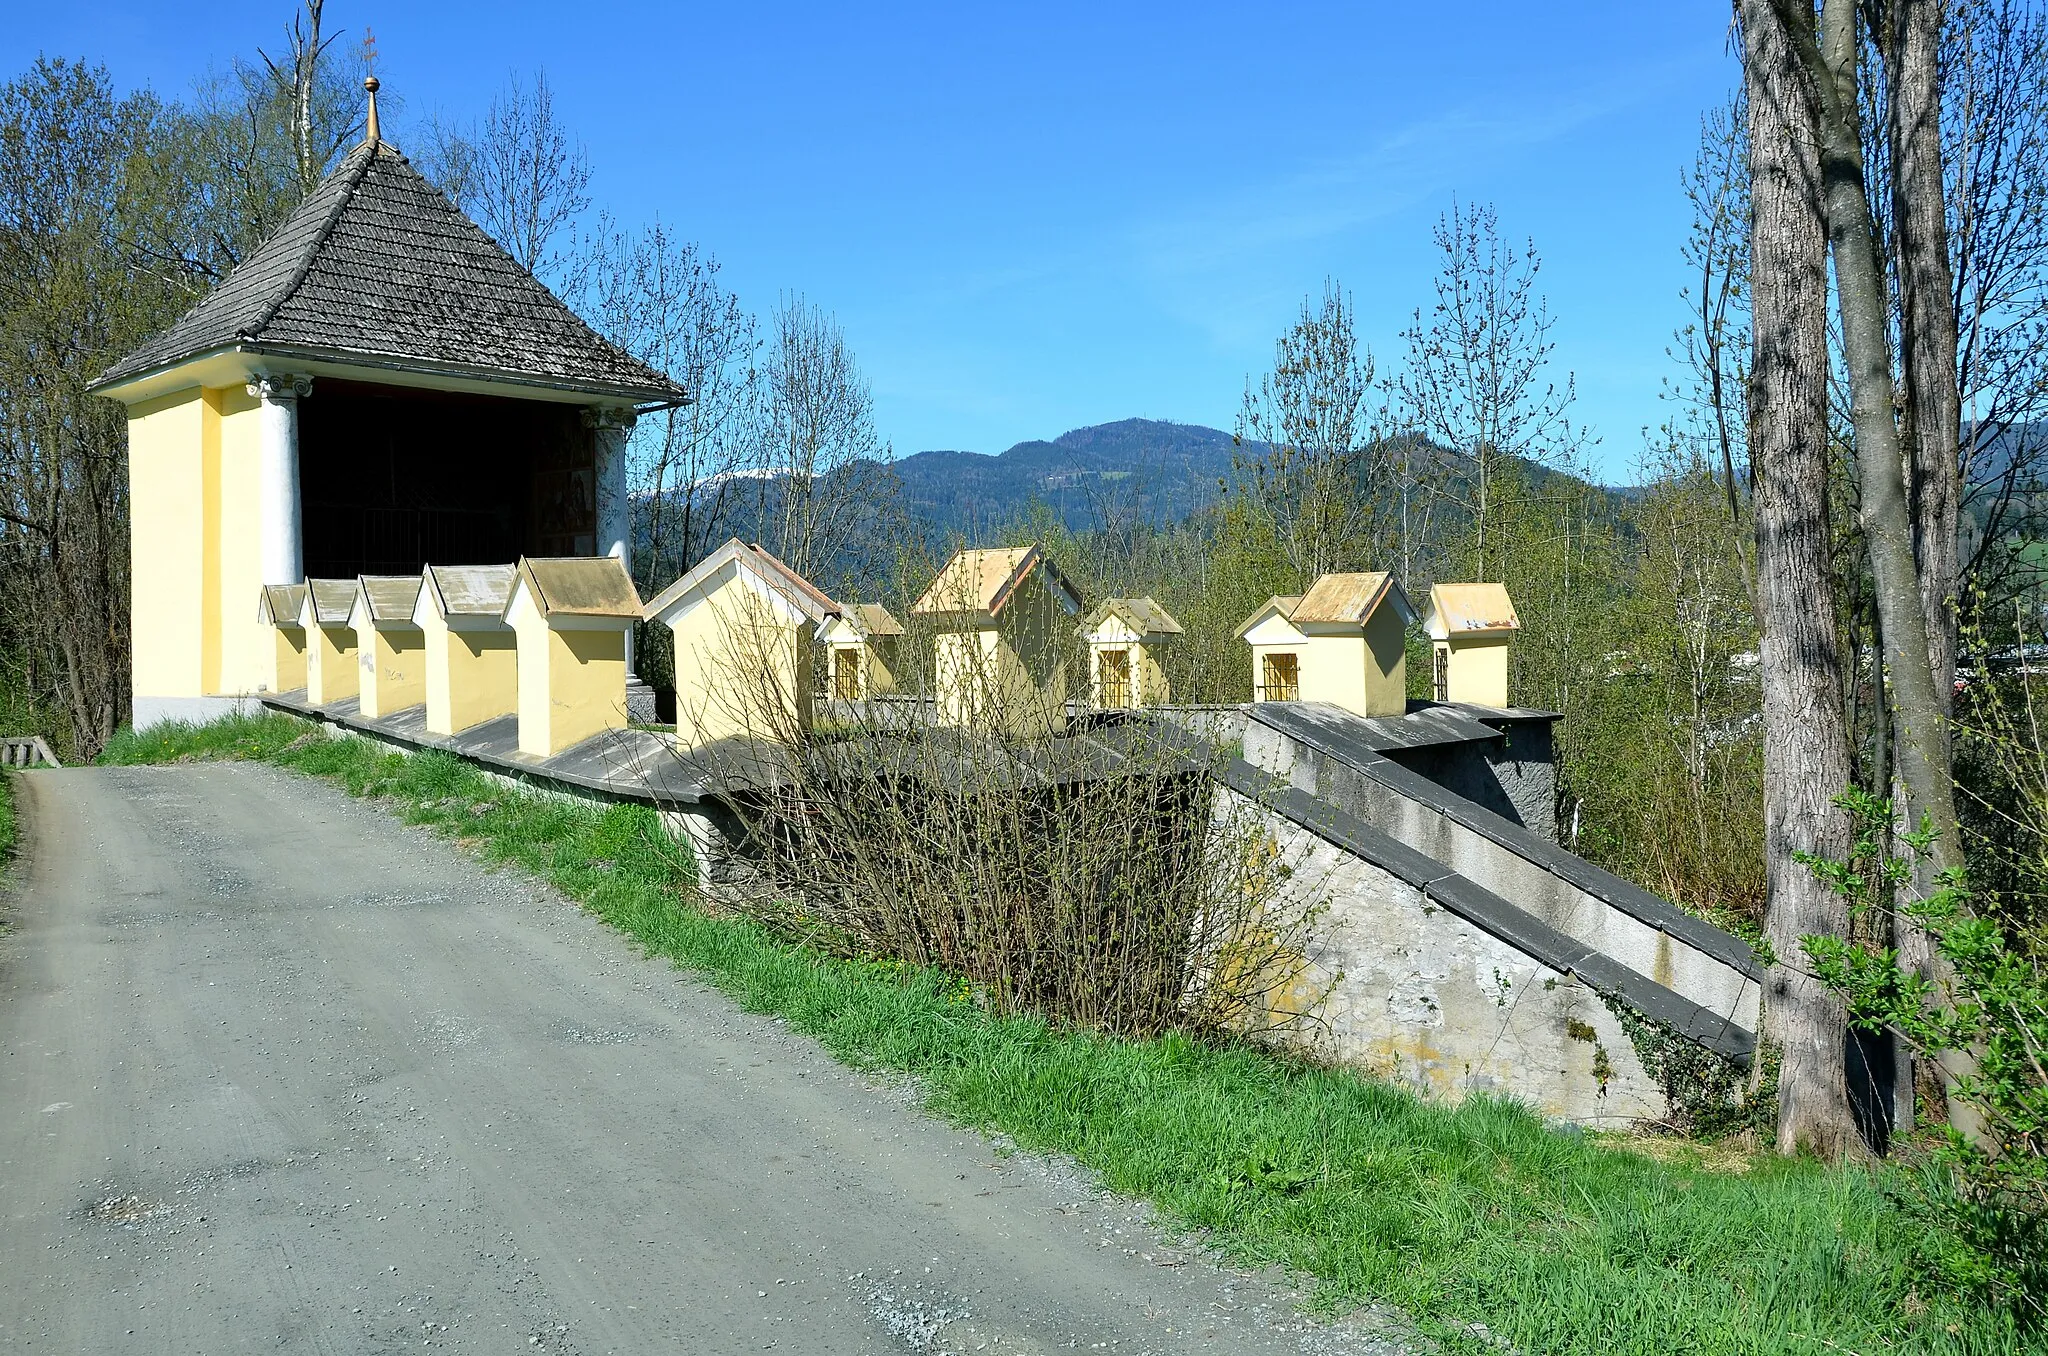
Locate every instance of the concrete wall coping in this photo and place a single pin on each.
(1325, 732)
(1489, 912)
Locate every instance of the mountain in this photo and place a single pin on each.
(1156, 470)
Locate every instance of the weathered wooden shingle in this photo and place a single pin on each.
(378, 266)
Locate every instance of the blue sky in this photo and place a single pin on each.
(1033, 218)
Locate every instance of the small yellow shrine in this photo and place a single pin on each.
(390, 648)
(278, 607)
(472, 654)
(745, 626)
(1343, 642)
(331, 666)
(573, 618)
(1469, 628)
(377, 385)
(996, 662)
(1124, 638)
(862, 645)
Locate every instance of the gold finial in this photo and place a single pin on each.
(370, 129)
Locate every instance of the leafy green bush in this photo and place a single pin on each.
(1988, 1195)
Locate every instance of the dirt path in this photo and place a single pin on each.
(280, 1074)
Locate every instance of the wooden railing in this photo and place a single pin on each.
(26, 751)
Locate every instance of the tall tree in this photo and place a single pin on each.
(1306, 457)
(525, 177)
(1806, 747)
(1475, 379)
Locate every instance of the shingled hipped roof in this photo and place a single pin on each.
(377, 267)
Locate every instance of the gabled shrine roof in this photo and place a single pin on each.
(1470, 609)
(735, 554)
(984, 580)
(1143, 615)
(377, 268)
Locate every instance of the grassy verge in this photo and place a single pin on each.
(1557, 1241)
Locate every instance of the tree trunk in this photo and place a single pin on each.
(1919, 709)
(1806, 747)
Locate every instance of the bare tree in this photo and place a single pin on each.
(824, 473)
(297, 80)
(1306, 455)
(660, 298)
(519, 174)
(1806, 747)
(1714, 341)
(1474, 380)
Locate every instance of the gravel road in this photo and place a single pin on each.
(278, 1073)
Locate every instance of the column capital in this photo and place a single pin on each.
(280, 386)
(606, 418)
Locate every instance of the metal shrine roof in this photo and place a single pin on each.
(328, 601)
(1470, 609)
(378, 268)
(984, 580)
(279, 604)
(1349, 599)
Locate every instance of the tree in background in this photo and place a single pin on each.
(1308, 465)
(519, 173)
(659, 297)
(1474, 381)
(827, 490)
(76, 294)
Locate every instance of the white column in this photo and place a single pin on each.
(613, 427)
(614, 501)
(283, 556)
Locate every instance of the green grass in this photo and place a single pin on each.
(7, 823)
(1561, 1242)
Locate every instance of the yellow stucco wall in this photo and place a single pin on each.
(1148, 679)
(287, 651)
(471, 676)
(1362, 672)
(572, 684)
(743, 669)
(877, 660)
(167, 508)
(236, 530)
(1005, 676)
(1478, 669)
(195, 539)
(330, 664)
(393, 673)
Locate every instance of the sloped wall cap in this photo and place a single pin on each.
(329, 601)
(580, 586)
(281, 604)
(388, 598)
(469, 590)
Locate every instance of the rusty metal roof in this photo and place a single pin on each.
(1470, 609)
(1349, 599)
(1281, 603)
(802, 594)
(470, 590)
(279, 604)
(984, 579)
(1143, 615)
(331, 600)
(389, 598)
(580, 586)
(871, 620)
